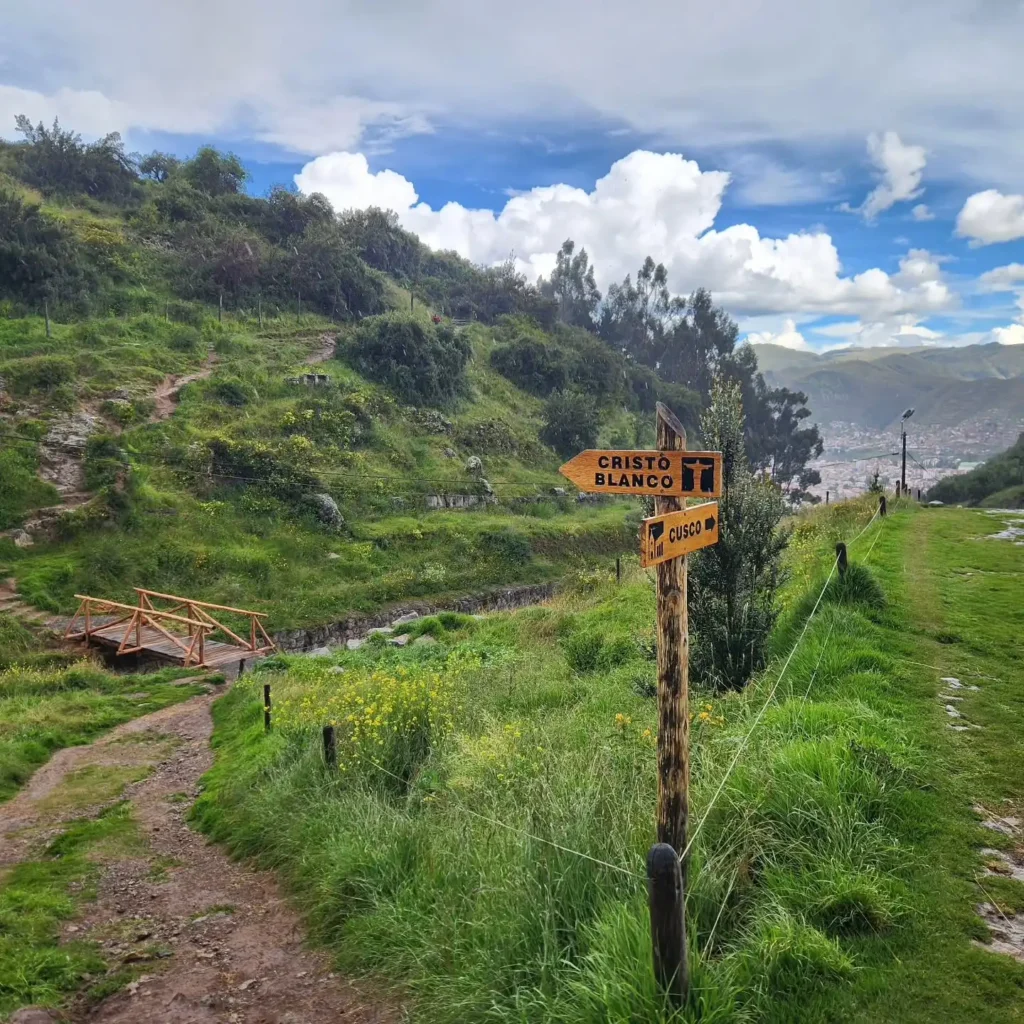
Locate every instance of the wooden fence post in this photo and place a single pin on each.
(673, 738)
(259, 310)
(882, 505)
(220, 308)
(668, 930)
(826, 497)
(618, 569)
(46, 313)
(330, 747)
(266, 707)
(841, 558)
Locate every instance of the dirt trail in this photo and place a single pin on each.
(217, 941)
(165, 397)
(328, 346)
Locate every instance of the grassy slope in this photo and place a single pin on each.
(841, 853)
(216, 539)
(47, 702)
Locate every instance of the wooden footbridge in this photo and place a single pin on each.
(182, 633)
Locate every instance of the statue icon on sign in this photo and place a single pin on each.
(706, 467)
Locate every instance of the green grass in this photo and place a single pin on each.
(44, 708)
(833, 879)
(37, 896)
(241, 540)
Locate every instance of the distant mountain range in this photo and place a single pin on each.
(947, 387)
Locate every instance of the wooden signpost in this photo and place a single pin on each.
(670, 473)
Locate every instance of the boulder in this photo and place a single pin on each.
(336, 670)
(379, 629)
(354, 644)
(319, 652)
(404, 620)
(474, 465)
(400, 641)
(424, 641)
(327, 510)
(486, 486)
(450, 453)
(558, 492)
(22, 539)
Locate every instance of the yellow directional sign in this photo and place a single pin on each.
(678, 533)
(678, 474)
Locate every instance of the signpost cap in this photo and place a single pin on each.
(670, 419)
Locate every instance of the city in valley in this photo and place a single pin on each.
(853, 453)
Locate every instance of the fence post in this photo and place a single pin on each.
(330, 747)
(220, 308)
(841, 558)
(826, 497)
(259, 310)
(668, 935)
(882, 506)
(46, 313)
(266, 707)
(618, 569)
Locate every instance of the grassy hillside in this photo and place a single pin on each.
(482, 844)
(997, 483)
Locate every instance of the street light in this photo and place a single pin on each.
(903, 437)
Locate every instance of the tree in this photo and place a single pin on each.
(732, 584)
(789, 447)
(382, 242)
(571, 422)
(39, 259)
(573, 288)
(637, 318)
(56, 160)
(287, 214)
(214, 173)
(701, 340)
(530, 362)
(158, 167)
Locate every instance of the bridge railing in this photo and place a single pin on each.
(135, 619)
(258, 641)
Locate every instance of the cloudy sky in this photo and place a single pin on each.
(836, 173)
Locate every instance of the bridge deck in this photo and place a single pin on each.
(152, 641)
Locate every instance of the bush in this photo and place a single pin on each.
(571, 422)
(421, 363)
(185, 339)
(534, 365)
(38, 373)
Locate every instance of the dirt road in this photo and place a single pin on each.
(216, 942)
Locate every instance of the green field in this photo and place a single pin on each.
(482, 845)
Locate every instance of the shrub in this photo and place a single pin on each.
(732, 584)
(38, 373)
(232, 392)
(536, 366)
(185, 339)
(421, 363)
(583, 649)
(506, 546)
(571, 422)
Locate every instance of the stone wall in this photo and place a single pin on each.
(335, 634)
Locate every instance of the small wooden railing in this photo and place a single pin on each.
(136, 618)
(258, 642)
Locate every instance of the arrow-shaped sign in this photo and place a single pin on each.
(680, 474)
(678, 533)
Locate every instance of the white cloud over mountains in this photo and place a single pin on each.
(658, 204)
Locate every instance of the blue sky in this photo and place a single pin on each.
(775, 157)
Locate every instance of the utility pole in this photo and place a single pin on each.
(903, 436)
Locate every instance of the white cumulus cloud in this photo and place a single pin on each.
(788, 337)
(921, 212)
(900, 166)
(657, 204)
(1002, 279)
(990, 216)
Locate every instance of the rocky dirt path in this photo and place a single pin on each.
(328, 344)
(165, 397)
(215, 941)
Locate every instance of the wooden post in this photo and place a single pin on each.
(882, 504)
(673, 709)
(46, 313)
(259, 310)
(826, 497)
(668, 934)
(618, 569)
(841, 558)
(266, 707)
(330, 747)
(220, 308)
